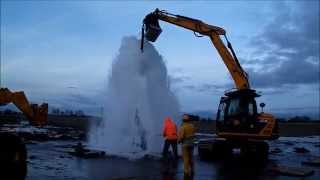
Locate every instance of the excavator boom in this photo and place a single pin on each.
(37, 115)
(214, 32)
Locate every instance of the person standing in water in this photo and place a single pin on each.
(186, 138)
(170, 135)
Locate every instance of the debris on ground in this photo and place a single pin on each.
(275, 151)
(89, 154)
(80, 151)
(31, 134)
(288, 143)
(301, 150)
(32, 157)
(313, 161)
(292, 171)
(151, 157)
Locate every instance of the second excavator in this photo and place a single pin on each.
(13, 152)
(37, 115)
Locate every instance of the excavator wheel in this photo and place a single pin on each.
(13, 157)
(217, 150)
(205, 151)
(257, 152)
(262, 151)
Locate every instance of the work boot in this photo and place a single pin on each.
(187, 176)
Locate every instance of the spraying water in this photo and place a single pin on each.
(138, 98)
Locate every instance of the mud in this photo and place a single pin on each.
(50, 160)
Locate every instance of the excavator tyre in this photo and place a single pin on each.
(13, 157)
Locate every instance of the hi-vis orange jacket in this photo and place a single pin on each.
(169, 129)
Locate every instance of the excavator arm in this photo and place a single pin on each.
(153, 30)
(37, 115)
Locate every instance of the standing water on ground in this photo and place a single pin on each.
(138, 98)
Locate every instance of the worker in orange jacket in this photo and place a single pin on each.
(170, 135)
(186, 138)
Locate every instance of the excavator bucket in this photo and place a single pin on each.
(153, 33)
(153, 29)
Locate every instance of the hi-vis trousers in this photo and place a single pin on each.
(187, 154)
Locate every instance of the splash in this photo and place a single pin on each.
(138, 98)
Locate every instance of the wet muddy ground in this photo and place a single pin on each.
(50, 160)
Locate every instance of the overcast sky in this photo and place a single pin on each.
(61, 52)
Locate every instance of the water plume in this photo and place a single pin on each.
(138, 98)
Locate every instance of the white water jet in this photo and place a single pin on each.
(138, 98)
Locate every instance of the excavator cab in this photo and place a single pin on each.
(236, 111)
(238, 117)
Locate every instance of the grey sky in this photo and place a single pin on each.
(61, 52)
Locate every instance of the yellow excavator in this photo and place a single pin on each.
(13, 153)
(37, 115)
(238, 123)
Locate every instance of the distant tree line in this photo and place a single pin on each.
(80, 113)
(291, 119)
(198, 118)
(297, 119)
(9, 112)
(57, 111)
(54, 111)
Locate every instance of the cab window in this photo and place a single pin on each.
(233, 107)
(222, 108)
(251, 109)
